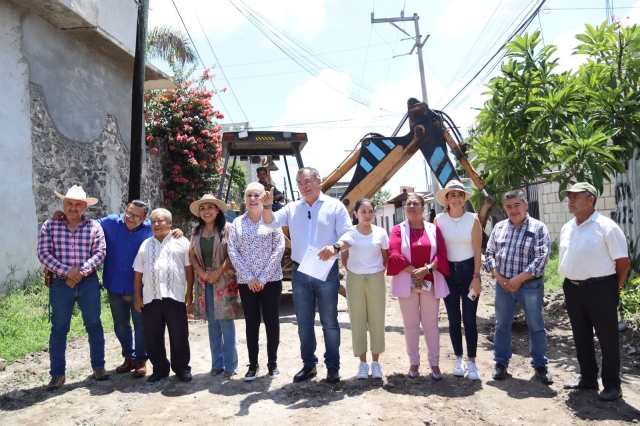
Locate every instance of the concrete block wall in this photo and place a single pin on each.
(555, 213)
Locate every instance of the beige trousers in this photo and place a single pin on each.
(366, 299)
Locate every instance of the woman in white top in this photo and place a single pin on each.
(366, 261)
(462, 234)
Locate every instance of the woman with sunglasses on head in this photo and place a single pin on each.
(256, 252)
(418, 263)
(462, 234)
(365, 261)
(208, 253)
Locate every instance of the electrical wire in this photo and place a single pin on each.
(291, 47)
(522, 27)
(218, 62)
(228, 115)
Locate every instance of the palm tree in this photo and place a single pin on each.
(164, 42)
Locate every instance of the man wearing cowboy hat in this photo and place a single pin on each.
(73, 248)
(265, 180)
(594, 260)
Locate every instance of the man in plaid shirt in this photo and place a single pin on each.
(72, 248)
(517, 253)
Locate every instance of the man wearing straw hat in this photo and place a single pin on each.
(72, 248)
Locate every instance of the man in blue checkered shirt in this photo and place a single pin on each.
(517, 253)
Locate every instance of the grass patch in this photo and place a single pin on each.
(552, 281)
(24, 317)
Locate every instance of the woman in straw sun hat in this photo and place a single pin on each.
(221, 302)
(462, 234)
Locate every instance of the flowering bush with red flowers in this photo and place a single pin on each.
(185, 119)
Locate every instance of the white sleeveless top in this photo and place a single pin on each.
(457, 235)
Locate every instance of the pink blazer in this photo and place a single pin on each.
(401, 283)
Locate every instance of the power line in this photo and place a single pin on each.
(218, 62)
(200, 57)
(524, 24)
(289, 44)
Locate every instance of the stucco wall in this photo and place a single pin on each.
(18, 231)
(119, 18)
(81, 86)
(555, 213)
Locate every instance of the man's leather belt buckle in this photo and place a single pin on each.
(587, 281)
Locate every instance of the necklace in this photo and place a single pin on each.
(456, 222)
(208, 237)
(417, 234)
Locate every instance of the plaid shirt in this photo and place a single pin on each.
(515, 250)
(59, 249)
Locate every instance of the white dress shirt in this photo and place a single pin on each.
(590, 250)
(163, 267)
(319, 225)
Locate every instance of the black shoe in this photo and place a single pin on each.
(273, 369)
(582, 384)
(543, 375)
(305, 374)
(610, 394)
(499, 371)
(156, 377)
(185, 376)
(252, 373)
(333, 375)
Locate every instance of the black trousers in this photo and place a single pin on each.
(594, 306)
(269, 300)
(173, 314)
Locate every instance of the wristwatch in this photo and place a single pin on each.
(429, 268)
(477, 276)
(337, 247)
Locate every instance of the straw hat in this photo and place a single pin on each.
(77, 193)
(207, 198)
(452, 185)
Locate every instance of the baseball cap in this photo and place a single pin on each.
(581, 187)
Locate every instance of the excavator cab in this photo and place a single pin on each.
(247, 144)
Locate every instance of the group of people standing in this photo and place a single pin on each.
(232, 270)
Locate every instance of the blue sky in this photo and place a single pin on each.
(354, 60)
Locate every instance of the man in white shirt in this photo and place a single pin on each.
(162, 267)
(594, 261)
(315, 220)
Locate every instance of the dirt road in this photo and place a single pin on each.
(520, 399)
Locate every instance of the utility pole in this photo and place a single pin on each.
(137, 101)
(419, 43)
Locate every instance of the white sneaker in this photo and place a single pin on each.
(376, 370)
(363, 371)
(473, 371)
(459, 370)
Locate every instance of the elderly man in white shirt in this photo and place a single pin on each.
(162, 268)
(594, 261)
(315, 220)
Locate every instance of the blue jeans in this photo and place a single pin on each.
(530, 296)
(458, 281)
(306, 290)
(222, 338)
(123, 312)
(62, 298)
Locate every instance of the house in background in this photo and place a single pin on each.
(391, 211)
(67, 71)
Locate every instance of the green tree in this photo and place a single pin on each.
(567, 127)
(166, 42)
(381, 196)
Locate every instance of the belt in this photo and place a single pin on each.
(62, 277)
(591, 280)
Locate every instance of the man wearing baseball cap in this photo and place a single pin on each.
(72, 248)
(594, 261)
(265, 180)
